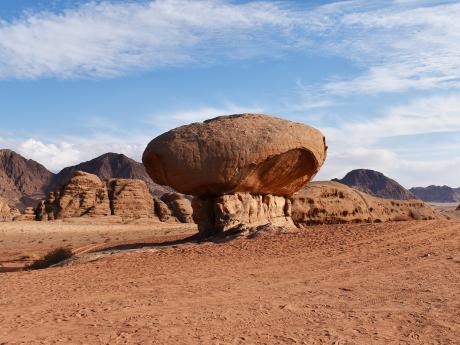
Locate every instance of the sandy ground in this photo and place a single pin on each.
(392, 283)
(448, 209)
(23, 242)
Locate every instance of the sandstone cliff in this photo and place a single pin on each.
(332, 202)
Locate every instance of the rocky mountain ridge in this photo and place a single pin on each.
(24, 182)
(375, 183)
(442, 194)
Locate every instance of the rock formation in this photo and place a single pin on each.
(333, 202)
(106, 167)
(86, 195)
(130, 199)
(179, 207)
(375, 183)
(5, 212)
(458, 208)
(241, 168)
(28, 215)
(238, 211)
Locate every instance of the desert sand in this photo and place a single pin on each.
(388, 283)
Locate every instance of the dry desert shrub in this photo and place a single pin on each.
(51, 258)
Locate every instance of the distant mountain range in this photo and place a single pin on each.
(375, 183)
(437, 193)
(24, 182)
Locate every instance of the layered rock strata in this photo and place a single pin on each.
(130, 199)
(239, 212)
(86, 195)
(333, 202)
(240, 168)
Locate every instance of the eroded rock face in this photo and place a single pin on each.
(180, 207)
(84, 195)
(252, 153)
(240, 211)
(130, 199)
(333, 202)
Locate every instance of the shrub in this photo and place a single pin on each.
(51, 258)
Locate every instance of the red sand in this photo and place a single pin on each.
(393, 283)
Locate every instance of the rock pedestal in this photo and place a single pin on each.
(240, 212)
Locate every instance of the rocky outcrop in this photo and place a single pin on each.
(125, 199)
(130, 199)
(180, 208)
(84, 195)
(458, 208)
(375, 183)
(240, 212)
(28, 215)
(109, 166)
(240, 168)
(251, 153)
(5, 212)
(332, 202)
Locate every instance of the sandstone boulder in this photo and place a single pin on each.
(252, 153)
(130, 199)
(84, 195)
(333, 202)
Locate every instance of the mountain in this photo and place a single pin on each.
(437, 193)
(109, 165)
(375, 183)
(23, 182)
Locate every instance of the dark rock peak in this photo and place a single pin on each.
(375, 183)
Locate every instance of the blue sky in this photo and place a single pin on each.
(380, 79)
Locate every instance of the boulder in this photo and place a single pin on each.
(251, 153)
(333, 202)
(84, 195)
(130, 199)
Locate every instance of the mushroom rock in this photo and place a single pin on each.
(234, 165)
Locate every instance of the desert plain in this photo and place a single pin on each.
(386, 283)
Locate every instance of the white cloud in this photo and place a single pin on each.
(400, 46)
(52, 155)
(358, 144)
(103, 39)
